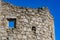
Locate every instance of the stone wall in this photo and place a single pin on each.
(26, 18)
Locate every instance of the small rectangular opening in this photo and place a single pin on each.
(34, 29)
(11, 22)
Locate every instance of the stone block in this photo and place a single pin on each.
(4, 38)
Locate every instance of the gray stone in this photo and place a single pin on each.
(26, 21)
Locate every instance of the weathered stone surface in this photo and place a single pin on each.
(26, 18)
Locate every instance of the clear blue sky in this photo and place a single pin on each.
(53, 5)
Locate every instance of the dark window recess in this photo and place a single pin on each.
(34, 29)
(12, 22)
(7, 38)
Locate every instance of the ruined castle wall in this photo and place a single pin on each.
(26, 18)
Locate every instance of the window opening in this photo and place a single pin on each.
(12, 23)
(34, 29)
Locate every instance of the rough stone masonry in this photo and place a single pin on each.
(30, 23)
